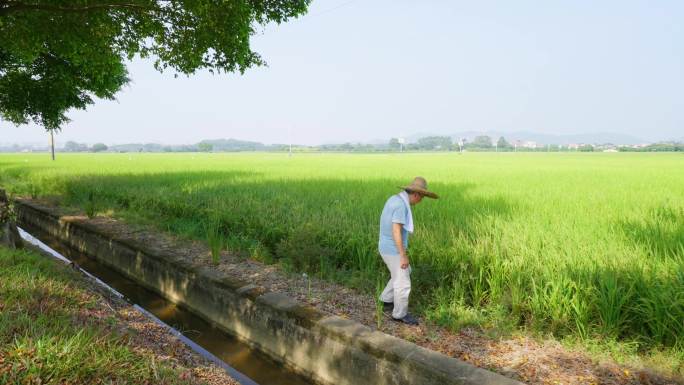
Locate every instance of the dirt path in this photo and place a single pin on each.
(524, 359)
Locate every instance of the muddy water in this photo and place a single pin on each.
(251, 363)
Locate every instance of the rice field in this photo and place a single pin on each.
(582, 245)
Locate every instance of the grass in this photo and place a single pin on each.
(215, 241)
(582, 246)
(46, 335)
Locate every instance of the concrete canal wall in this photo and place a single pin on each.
(326, 348)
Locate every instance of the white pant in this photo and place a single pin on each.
(399, 286)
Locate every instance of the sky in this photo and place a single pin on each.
(375, 69)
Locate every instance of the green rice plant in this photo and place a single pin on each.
(379, 306)
(303, 249)
(244, 247)
(259, 252)
(451, 310)
(478, 288)
(612, 297)
(215, 240)
(661, 231)
(661, 312)
(90, 205)
(308, 285)
(34, 190)
(580, 308)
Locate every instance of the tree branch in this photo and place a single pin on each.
(7, 7)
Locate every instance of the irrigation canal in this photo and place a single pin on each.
(246, 365)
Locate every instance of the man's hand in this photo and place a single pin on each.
(396, 235)
(404, 262)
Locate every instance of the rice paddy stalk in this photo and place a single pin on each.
(379, 306)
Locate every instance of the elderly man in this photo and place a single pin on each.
(396, 222)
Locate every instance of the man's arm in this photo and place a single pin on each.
(396, 235)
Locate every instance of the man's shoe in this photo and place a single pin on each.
(407, 319)
(387, 308)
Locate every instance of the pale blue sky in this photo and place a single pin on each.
(363, 70)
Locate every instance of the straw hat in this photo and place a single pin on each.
(419, 185)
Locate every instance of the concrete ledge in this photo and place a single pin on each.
(326, 348)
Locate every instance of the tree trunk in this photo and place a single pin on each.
(52, 144)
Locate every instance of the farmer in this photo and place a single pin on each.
(396, 222)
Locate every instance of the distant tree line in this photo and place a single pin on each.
(479, 143)
(71, 146)
(428, 143)
(219, 145)
(486, 143)
(656, 147)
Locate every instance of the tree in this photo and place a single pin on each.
(99, 147)
(346, 147)
(482, 141)
(57, 54)
(72, 146)
(230, 145)
(434, 143)
(394, 144)
(502, 143)
(205, 147)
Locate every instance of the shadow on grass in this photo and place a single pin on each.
(336, 217)
(651, 301)
(660, 233)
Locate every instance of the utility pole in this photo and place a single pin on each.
(52, 144)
